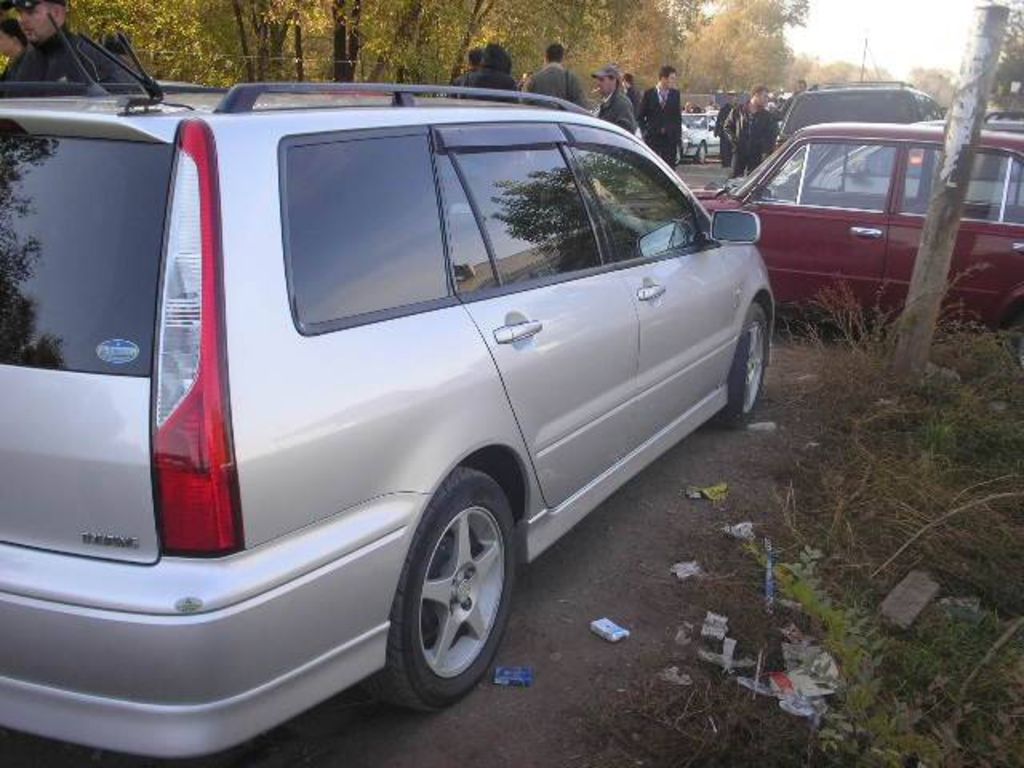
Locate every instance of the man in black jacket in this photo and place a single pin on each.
(753, 130)
(48, 59)
(725, 150)
(495, 70)
(661, 116)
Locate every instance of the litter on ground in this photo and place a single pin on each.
(762, 426)
(962, 608)
(514, 677)
(716, 627)
(675, 677)
(741, 531)
(769, 576)
(718, 492)
(609, 630)
(811, 670)
(792, 633)
(753, 685)
(727, 658)
(684, 634)
(684, 571)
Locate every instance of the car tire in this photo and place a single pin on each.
(702, 154)
(424, 671)
(745, 384)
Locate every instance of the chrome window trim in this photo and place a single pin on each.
(822, 207)
(803, 173)
(1006, 188)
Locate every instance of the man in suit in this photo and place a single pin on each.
(661, 116)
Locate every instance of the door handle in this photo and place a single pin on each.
(510, 334)
(866, 233)
(650, 292)
(1018, 247)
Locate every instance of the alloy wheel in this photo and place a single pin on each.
(462, 592)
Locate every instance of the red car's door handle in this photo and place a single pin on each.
(866, 233)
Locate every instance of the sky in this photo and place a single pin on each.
(902, 34)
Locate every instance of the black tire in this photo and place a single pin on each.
(408, 680)
(739, 407)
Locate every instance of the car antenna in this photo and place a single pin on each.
(139, 73)
(93, 88)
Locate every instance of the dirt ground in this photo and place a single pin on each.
(615, 563)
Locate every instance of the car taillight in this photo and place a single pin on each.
(193, 454)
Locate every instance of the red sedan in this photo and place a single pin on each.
(846, 203)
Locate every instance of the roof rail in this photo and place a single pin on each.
(863, 84)
(49, 88)
(242, 98)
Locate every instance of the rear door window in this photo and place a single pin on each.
(532, 212)
(853, 176)
(363, 230)
(81, 236)
(984, 193)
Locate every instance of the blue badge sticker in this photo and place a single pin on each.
(117, 351)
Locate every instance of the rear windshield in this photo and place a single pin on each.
(856, 107)
(81, 231)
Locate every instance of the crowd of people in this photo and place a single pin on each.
(747, 130)
(39, 48)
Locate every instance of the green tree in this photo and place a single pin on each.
(743, 43)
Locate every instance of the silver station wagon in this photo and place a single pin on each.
(293, 379)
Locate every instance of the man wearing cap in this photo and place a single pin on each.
(48, 59)
(615, 106)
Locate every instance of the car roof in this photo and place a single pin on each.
(924, 132)
(106, 118)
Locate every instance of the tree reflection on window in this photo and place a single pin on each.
(19, 342)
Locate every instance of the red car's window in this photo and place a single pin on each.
(853, 176)
(984, 194)
(1014, 213)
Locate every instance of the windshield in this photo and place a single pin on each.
(695, 121)
(852, 106)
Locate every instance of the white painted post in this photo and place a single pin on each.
(931, 269)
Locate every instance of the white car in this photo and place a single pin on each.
(698, 139)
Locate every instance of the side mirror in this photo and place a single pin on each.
(735, 226)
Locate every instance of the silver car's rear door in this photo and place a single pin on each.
(81, 232)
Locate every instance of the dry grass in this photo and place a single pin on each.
(921, 476)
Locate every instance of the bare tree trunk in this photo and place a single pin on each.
(243, 40)
(404, 32)
(931, 268)
(347, 39)
(300, 60)
(481, 10)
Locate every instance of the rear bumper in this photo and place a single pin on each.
(279, 637)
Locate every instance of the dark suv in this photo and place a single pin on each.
(858, 102)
